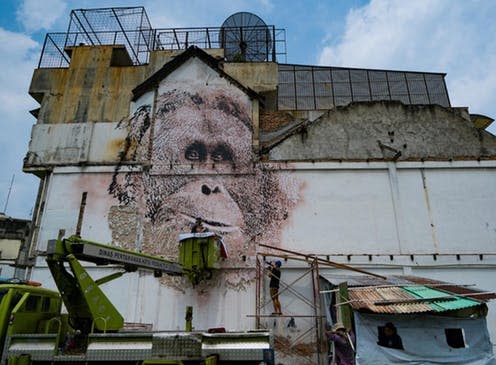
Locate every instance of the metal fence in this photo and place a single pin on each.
(315, 87)
(251, 43)
(56, 52)
(267, 44)
(130, 26)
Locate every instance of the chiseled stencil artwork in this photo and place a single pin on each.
(201, 165)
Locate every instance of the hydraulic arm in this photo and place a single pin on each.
(89, 308)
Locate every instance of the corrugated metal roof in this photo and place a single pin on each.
(450, 301)
(411, 299)
(364, 280)
(400, 294)
(366, 299)
(469, 292)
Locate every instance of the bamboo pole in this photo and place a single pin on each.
(330, 263)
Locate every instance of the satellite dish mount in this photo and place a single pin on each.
(245, 37)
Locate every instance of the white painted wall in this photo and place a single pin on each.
(356, 209)
(63, 201)
(384, 209)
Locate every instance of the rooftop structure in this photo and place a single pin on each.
(300, 87)
(129, 26)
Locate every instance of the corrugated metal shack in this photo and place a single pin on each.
(434, 322)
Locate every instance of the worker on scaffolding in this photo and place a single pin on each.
(275, 277)
(198, 227)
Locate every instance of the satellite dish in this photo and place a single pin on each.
(245, 37)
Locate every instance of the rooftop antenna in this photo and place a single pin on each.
(8, 194)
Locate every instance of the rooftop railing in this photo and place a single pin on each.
(256, 44)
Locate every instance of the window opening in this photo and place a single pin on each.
(32, 303)
(45, 305)
(455, 337)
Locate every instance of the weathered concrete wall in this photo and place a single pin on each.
(14, 234)
(90, 90)
(160, 58)
(192, 137)
(59, 144)
(381, 130)
(74, 144)
(9, 248)
(259, 76)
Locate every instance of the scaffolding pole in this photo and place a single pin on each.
(313, 302)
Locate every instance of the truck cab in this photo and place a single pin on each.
(27, 309)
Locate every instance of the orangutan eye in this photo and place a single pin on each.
(196, 152)
(221, 153)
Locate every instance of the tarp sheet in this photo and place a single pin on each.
(424, 340)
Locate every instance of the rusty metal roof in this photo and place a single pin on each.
(412, 299)
(366, 299)
(408, 294)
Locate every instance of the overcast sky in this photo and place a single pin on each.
(453, 36)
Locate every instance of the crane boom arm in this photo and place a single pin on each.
(105, 254)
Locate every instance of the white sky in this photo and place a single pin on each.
(452, 36)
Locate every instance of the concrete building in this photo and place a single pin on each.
(139, 132)
(14, 243)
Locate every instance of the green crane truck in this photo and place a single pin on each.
(35, 330)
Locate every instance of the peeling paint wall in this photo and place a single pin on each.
(387, 130)
(90, 90)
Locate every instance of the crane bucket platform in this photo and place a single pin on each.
(200, 253)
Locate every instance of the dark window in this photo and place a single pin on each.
(32, 303)
(15, 299)
(455, 337)
(388, 337)
(2, 293)
(45, 305)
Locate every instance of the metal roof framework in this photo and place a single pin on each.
(131, 27)
(269, 42)
(300, 87)
(128, 26)
(305, 87)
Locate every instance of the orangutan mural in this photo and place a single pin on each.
(199, 145)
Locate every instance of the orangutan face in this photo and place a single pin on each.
(203, 166)
(201, 134)
(208, 139)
